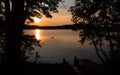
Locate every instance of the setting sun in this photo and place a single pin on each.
(37, 20)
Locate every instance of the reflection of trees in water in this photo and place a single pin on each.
(28, 52)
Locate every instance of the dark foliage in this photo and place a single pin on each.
(14, 13)
(101, 20)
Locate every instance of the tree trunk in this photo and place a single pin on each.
(14, 32)
(97, 50)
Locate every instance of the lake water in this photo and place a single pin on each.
(59, 44)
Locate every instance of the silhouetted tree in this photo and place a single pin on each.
(100, 19)
(15, 18)
(28, 52)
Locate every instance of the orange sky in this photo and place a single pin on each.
(61, 18)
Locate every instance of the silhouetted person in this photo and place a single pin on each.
(65, 62)
(76, 61)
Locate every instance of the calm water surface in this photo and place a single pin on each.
(59, 44)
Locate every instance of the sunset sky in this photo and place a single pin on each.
(61, 18)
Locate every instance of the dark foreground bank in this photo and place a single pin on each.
(37, 69)
(80, 67)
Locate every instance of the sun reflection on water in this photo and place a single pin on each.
(37, 35)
